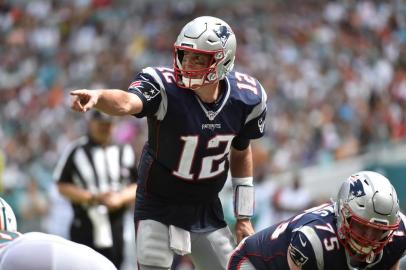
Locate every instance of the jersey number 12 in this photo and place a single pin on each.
(188, 156)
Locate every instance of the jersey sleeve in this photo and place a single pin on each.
(254, 126)
(148, 90)
(399, 238)
(301, 252)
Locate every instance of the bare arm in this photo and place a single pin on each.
(75, 193)
(116, 200)
(111, 101)
(396, 266)
(128, 193)
(241, 162)
(241, 166)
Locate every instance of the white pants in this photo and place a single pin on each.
(210, 251)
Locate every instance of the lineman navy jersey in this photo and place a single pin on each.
(313, 243)
(184, 163)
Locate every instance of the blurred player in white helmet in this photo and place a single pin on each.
(40, 251)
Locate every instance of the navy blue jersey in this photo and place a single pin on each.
(312, 240)
(184, 163)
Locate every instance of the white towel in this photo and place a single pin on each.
(179, 240)
(102, 235)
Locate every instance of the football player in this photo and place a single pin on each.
(363, 229)
(201, 117)
(40, 251)
(8, 221)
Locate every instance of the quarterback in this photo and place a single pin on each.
(201, 117)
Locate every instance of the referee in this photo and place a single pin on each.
(98, 177)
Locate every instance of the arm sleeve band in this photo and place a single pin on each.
(243, 197)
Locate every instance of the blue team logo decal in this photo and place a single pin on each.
(149, 92)
(297, 257)
(223, 33)
(356, 188)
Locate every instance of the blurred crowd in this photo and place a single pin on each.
(334, 71)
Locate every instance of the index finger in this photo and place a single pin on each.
(78, 92)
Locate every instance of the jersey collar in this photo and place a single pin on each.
(211, 114)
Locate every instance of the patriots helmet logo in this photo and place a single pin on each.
(223, 32)
(356, 188)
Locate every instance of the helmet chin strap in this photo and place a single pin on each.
(371, 257)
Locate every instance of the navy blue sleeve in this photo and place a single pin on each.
(240, 143)
(301, 252)
(148, 90)
(254, 128)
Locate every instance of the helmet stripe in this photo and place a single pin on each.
(4, 218)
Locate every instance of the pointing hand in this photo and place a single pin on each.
(83, 99)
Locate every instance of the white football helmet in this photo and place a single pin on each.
(367, 210)
(205, 35)
(8, 221)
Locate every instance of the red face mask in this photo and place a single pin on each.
(363, 238)
(195, 68)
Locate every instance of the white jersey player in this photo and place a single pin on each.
(40, 251)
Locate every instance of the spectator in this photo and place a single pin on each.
(33, 208)
(277, 202)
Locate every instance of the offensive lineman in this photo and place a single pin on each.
(363, 229)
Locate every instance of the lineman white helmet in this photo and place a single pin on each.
(367, 211)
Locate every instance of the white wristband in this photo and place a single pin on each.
(243, 197)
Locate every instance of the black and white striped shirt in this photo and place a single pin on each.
(95, 168)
